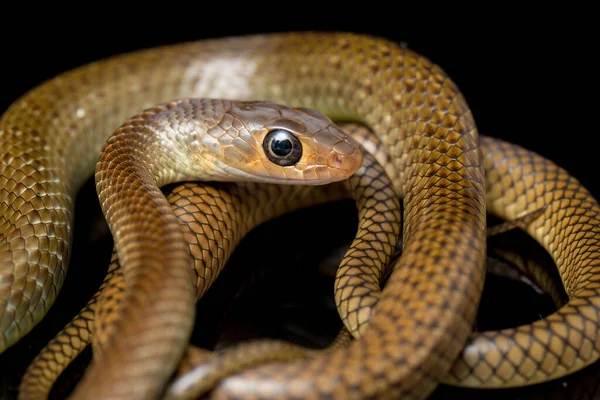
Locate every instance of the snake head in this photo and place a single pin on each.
(280, 144)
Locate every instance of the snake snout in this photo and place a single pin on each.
(345, 158)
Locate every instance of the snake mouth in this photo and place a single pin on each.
(228, 173)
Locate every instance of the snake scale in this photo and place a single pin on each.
(52, 136)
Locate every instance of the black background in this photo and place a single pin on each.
(530, 76)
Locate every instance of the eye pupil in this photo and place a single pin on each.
(282, 147)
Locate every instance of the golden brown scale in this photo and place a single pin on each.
(416, 111)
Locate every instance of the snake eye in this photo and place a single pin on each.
(282, 147)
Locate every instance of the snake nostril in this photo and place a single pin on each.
(344, 162)
(337, 161)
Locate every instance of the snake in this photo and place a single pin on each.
(425, 313)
